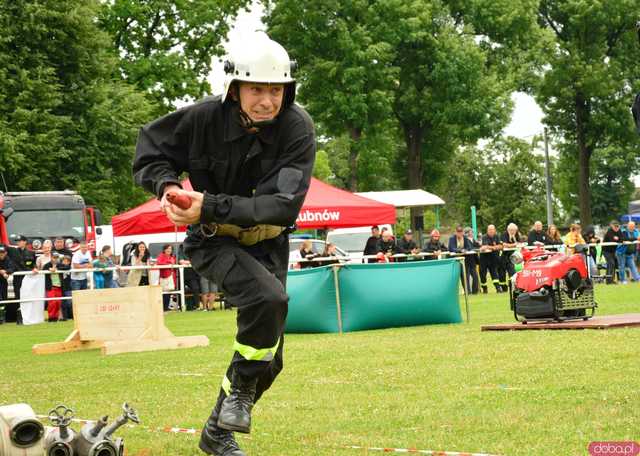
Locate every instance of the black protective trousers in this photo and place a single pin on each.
(490, 262)
(254, 281)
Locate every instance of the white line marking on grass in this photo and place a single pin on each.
(416, 451)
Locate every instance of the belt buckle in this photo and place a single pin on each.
(209, 230)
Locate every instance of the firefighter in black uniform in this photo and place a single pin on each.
(371, 248)
(387, 245)
(510, 240)
(23, 260)
(249, 155)
(490, 259)
(6, 269)
(434, 247)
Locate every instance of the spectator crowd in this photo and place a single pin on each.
(65, 272)
(486, 257)
(489, 254)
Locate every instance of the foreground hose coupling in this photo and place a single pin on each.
(59, 442)
(21, 434)
(96, 439)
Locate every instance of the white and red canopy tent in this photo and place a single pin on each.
(324, 207)
(329, 207)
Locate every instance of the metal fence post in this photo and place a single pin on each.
(336, 283)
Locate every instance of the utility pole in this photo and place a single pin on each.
(548, 177)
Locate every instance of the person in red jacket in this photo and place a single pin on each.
(167, 275)
(53, 284)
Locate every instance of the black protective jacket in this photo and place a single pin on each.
(405, 246)
(7, 265)
(22, 259)
(372, 246)
(387, 246)
(612, 236)
(434, 246)
(536, 236)
(492, 241)
(247, 178)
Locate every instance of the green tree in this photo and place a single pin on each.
(585, 93)
(345, 72)
(447, 93)
(610, 182)
(66, 123)
(166, 46)
(322, 168)
(504, 180)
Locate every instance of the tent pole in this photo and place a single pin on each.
(466, 300)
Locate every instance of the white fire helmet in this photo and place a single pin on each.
(260, 59)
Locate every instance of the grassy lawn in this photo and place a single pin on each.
(444, 387)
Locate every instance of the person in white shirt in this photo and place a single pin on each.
(81, 260)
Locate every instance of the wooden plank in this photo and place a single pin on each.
(65, 347)
(115, 313)
(599, 322)
(120, 320)
(171, 343)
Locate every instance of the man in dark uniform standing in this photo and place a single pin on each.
(387, 245)
(23, 260)
(249, 155)
(490, 259)
(371, 248)
(6, 269)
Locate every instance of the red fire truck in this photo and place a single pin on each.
(47, 215)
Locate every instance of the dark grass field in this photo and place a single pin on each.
(444, 387)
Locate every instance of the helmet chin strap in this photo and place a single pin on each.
(249, 123)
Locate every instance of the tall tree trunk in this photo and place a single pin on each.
(414, 136)
(354, 147)
(584, 157)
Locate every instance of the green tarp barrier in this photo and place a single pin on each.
(312, 301)
(374, 296)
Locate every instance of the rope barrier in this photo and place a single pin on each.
(192, 431)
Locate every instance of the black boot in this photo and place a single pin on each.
(216, 441)
(235, 413)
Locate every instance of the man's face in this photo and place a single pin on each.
(58, 244)
(537, 226)
(261, 102)
(631, 226)
(375, 232)
(408, 236)
(22, 244)
(386, 236)
(459, 234)
(83, 247)
(491, 230)
(3, 255)
(615, 227)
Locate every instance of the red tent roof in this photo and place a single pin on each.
(324, 207)
(329, 207)
(145, 219)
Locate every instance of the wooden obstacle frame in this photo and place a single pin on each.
(120, 320)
